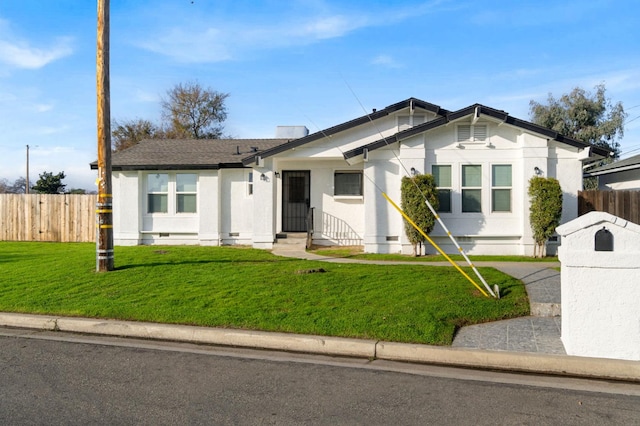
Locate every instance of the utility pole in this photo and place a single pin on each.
(104, 205)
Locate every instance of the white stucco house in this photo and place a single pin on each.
(215, 192)
(619, 175)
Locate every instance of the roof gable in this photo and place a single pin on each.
(475, 110)
(375, 115)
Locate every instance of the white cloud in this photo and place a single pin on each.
(22, 55)
(208, 42)
(330, 27)
(43, 107)
(386, 61)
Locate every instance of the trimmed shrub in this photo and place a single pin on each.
(414, 190)
(545, 210)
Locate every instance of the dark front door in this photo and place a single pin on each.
(295, 200)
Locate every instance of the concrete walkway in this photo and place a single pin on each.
(538, 333)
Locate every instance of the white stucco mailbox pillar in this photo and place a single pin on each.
(600, 258)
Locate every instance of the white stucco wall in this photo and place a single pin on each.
(126, 208)
(236, 205)
(600, 289)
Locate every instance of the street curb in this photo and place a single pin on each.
(596, 368)
(324, 345)
(566, 365)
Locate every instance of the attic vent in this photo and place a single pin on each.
(407, 121)
(254, 149)
(472, 133)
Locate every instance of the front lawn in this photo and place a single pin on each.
(252, 289)
(355, 252)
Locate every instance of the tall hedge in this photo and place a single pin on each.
(413, 192)
(545, 210)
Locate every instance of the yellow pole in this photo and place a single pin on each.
(408, 219)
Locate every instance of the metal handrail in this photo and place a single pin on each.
(309, 221)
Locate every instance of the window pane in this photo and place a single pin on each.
(501, 175)
(501, 200)
(471, 201)
(347, 183)
(472, 175)
(444, 198)
(158, 203)
(158, 182)
(442, 175)
(186, 203)
(186, 182)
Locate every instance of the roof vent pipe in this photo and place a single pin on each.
(237, 149)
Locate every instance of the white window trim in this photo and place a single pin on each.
(250, 179)
(481, 188)
(452, 168)
(492, 187)
(345, 196)
(172, 194)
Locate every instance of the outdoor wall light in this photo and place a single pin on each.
(277, 174)
(263, 177)
(537, 171)
(413, 171)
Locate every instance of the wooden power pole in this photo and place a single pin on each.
(104, 212)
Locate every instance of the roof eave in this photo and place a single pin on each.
(408, 103)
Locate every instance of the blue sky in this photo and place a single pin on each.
(299, 62)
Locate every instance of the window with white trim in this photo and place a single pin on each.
(347, 183)
(158, 193)
(442, 177)
(471, 188)
(472, 133)
(172, 193)
(501, 188)
(186, 192)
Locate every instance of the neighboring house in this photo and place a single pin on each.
(250, 191)
(620, 175)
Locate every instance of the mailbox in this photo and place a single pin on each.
(604, 240)
(600, 287)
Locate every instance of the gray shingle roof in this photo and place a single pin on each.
(191, 154)
(617, 166)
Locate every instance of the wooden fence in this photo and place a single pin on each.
(624, 204)
(48, 217)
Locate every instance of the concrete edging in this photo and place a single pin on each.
(601, 368)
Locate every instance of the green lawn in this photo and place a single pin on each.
(356, 253)
(251, 289)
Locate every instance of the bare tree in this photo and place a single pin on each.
(193, 112)
(127, 133)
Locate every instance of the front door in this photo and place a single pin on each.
(295, 200)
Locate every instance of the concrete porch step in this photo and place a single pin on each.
(292, 238)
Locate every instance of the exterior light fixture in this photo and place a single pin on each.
(413, 171)
(277, 174)
(537, 171)
(263, 177)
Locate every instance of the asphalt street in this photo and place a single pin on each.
(58, 378)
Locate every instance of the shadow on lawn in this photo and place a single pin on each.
(201, 262)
